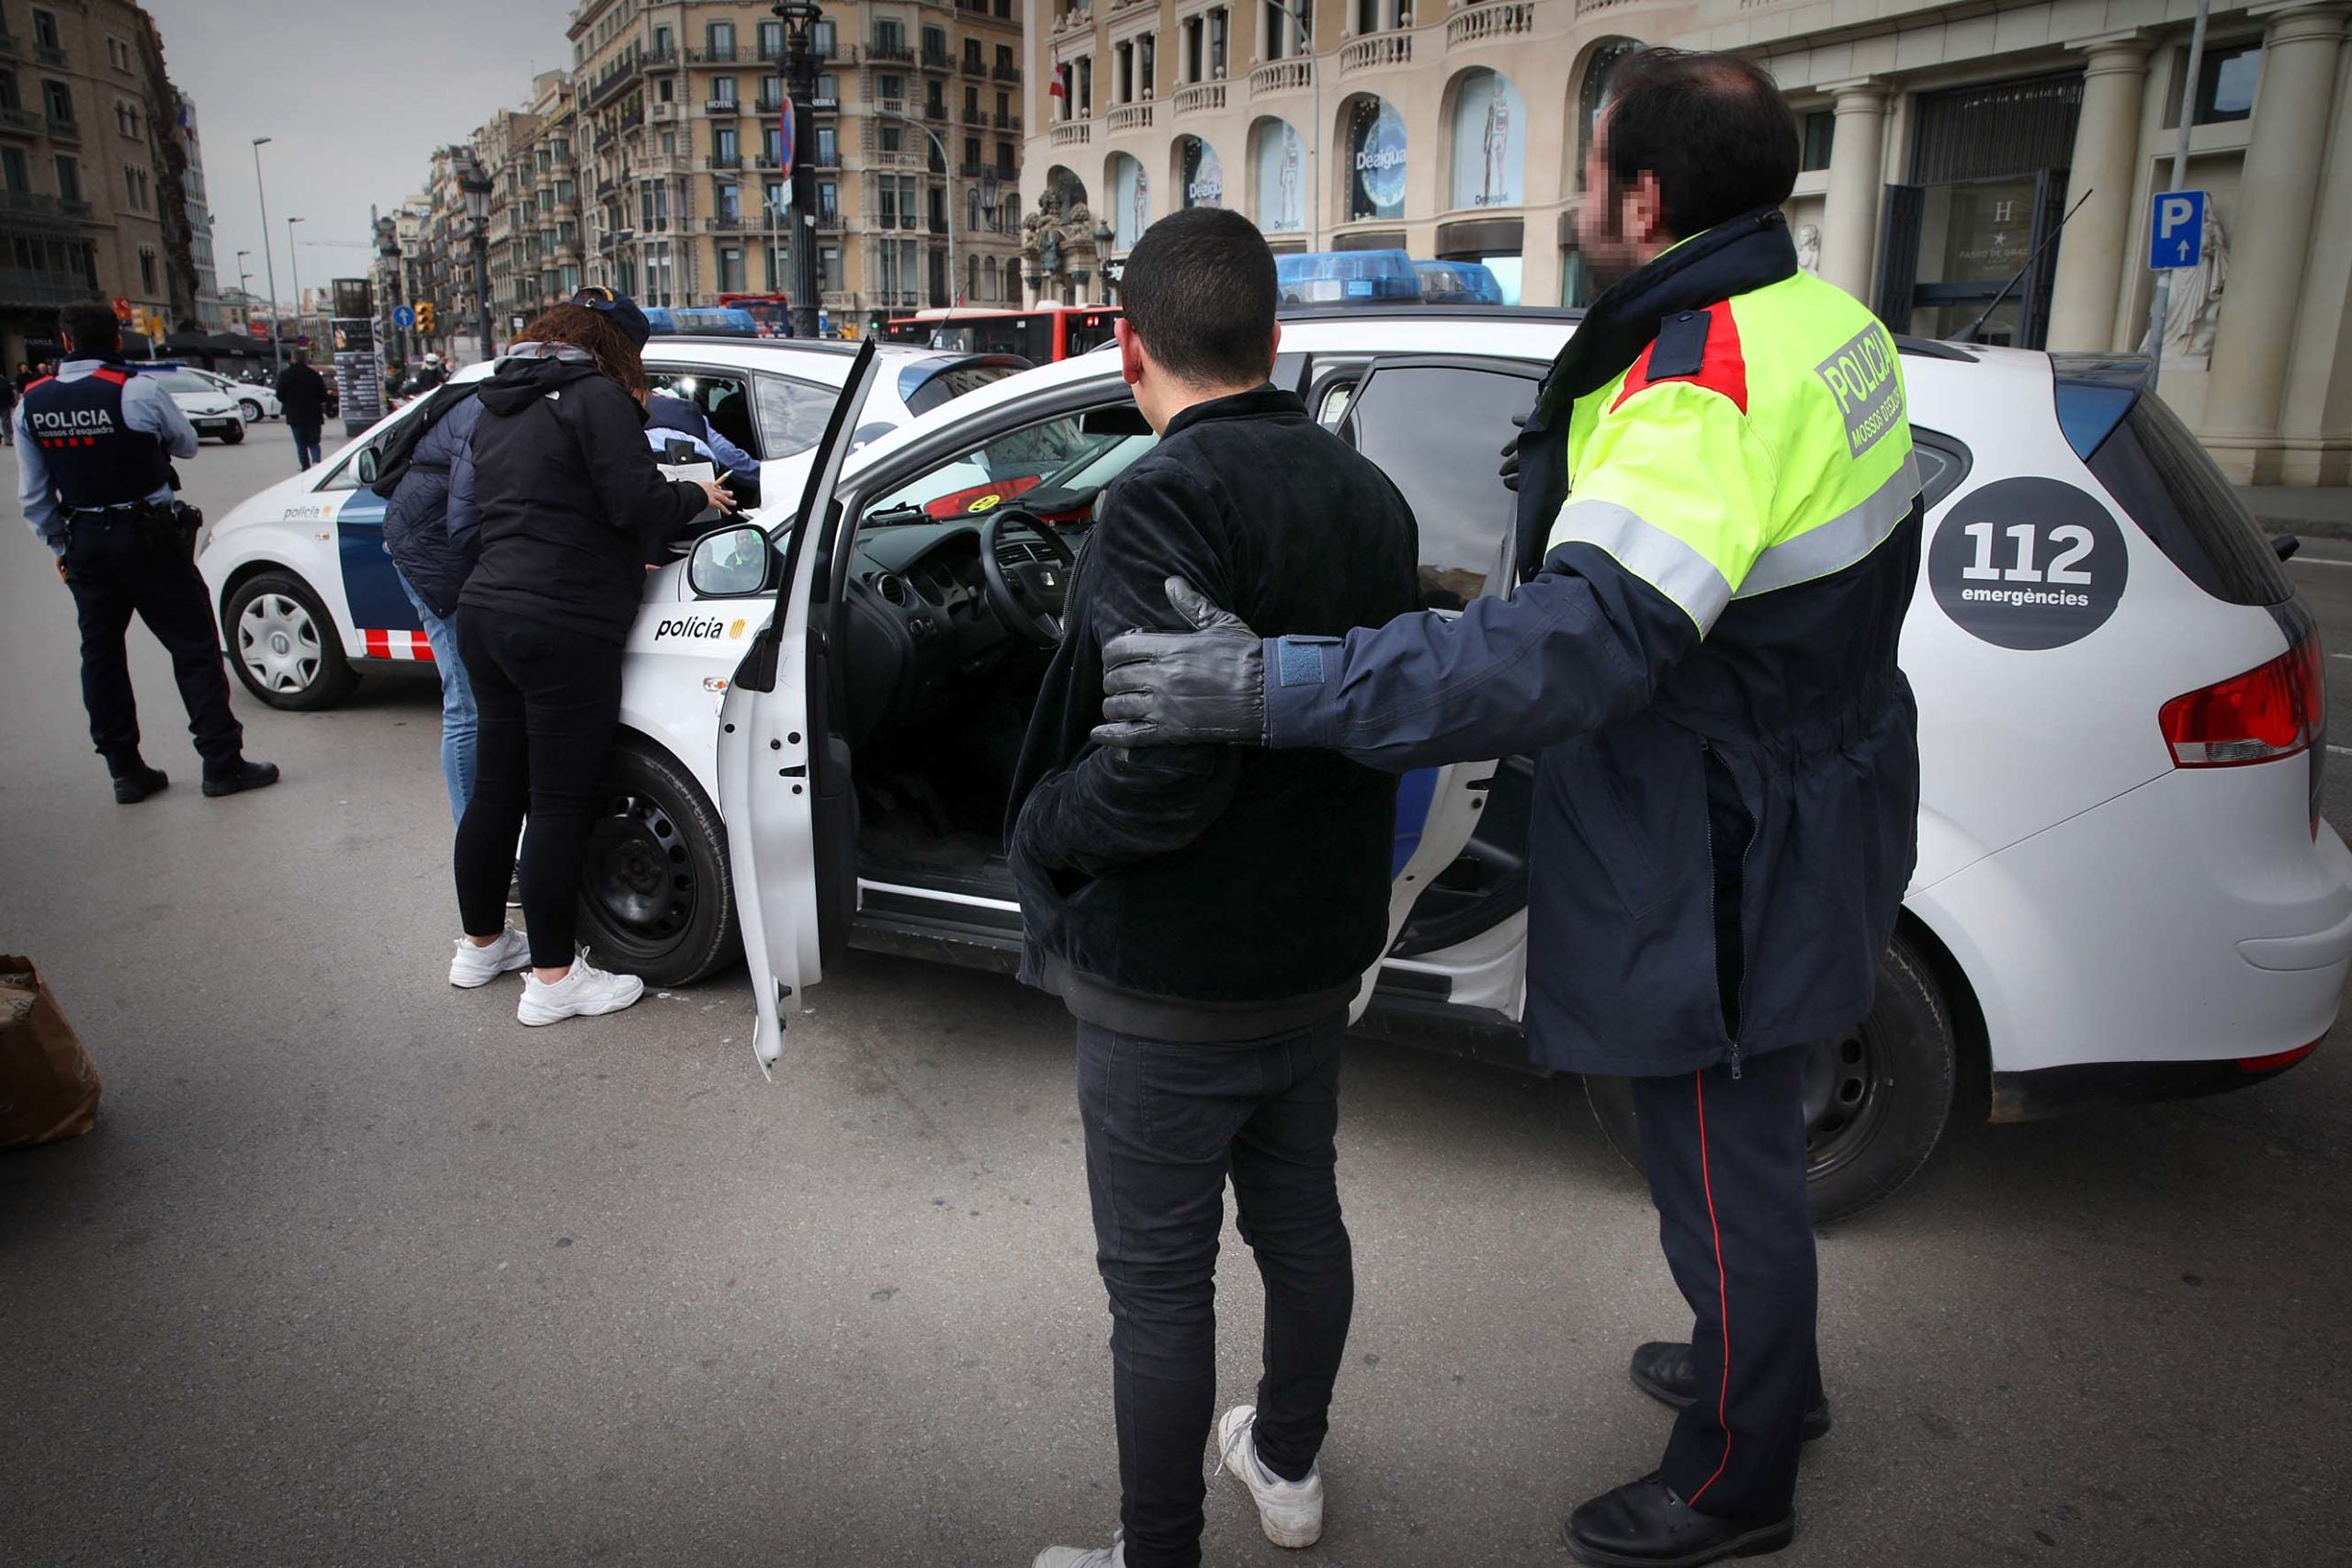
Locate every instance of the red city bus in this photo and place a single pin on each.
(772, 313)
(1048, 333)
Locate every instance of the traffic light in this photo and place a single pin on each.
(424, 316)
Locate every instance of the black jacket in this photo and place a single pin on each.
(302, 392)
(1209, 893)
(571, 504)
(416, 521)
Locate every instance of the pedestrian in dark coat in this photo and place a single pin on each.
(303, 395)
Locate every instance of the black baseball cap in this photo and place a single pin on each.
(621, 308)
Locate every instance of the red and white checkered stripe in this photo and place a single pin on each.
(398, 645)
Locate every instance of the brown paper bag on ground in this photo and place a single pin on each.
(48, 1088)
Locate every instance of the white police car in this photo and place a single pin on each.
(308, 598)
(211, 408)
(2125, 887)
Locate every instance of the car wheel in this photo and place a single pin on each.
(230, 437)
(1877, 1098)
(284, 645)
(251, 410)
(656, 900)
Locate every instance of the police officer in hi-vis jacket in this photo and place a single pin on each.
(95, 444)
(1719, 527)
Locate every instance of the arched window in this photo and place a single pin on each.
(1278, 176)
(972, 276)
(1489, 141)
(1203, 172)
(1375, 158)
(1593, 97)
(1130, 211)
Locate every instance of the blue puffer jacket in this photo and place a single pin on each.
(417, 523)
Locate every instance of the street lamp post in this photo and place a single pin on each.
(476, 183)
(276, 353)
(800, 19)
(1104, 240)
(295, 262)
(948, 169)
(245, 295)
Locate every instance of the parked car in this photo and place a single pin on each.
(255, 402)
(2124, 886)
(212, 410)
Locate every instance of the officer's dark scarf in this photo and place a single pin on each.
(1734, 257)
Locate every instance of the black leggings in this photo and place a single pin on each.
(550, 701)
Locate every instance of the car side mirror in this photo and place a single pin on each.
(367, 465)
(730, 563)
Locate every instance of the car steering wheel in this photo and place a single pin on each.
(1027, 596)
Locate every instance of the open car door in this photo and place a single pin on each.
(783, 789)
(1436, 425)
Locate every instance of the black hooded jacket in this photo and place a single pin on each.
(571, 502)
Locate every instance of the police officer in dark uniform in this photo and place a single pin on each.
(93, 451)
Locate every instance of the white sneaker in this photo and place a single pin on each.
(583, 993)
(480, 966)
(1290, 1512)
(1111, 1556)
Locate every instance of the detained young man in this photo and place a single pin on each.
(1208, 912)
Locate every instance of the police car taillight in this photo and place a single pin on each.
(2278, 710)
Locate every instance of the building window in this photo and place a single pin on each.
(771, 40)
(1004, 164)
(136, 187)
(890, 88)
(1220, 32)
(13, 173)
(730, 269)
(665, 91)
(57, 101)
(890, 39)
(935, 44)
(971, 150)
(1085, 87)
(728, 197)
(771, 94)
(829, 203)
(2226, 79)
(821, 41)
(69, 179)
(45, 29)
(665, 43)
(721, 39)
(1147, 64)
(118, 53)
(828, 267)
(722, 90)
(1820, 136)
(129, 121)
(146, 271)
(828, 153)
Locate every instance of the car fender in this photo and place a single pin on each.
(676, 664)
(284, 528)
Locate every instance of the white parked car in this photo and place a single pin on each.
(255, 402)
(212, 410)
(2125, 887)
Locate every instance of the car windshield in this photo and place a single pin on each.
(1004, 468)
(181, 381)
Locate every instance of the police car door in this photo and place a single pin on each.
(780, 786)
(1436, 426)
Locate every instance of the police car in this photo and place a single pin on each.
(309, 600)
(2125, 887)
(210, 407)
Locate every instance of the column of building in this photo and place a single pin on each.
(2086, 290)
(1857, 160)
(2270, 244)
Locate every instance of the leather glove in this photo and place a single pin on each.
(1186, 688)
(1510, 470)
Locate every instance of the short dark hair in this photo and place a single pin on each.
(1200, 292)
(1713, 128)
(91, 328)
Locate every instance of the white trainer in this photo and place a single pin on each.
(1111, 1556)
(1290, 1512)
(480, 966)
(583, 993)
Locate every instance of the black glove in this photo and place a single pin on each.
(1186, 688)
(1510, 470)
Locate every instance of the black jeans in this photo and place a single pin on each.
(1165, 1126)
(550, 701)
(306, 443)
(1727, 1162)
(118, 568)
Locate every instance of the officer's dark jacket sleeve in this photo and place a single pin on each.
(1112, 807)
(1582, 642)
(621, 469)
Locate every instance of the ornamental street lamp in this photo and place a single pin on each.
(800, 19)
(476, 183)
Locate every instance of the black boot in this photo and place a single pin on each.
(1643, 1525)
(235, 777)
(137, 782)
(1666, 1372)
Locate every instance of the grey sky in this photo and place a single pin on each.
(356, 95)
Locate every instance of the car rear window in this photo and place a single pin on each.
(924, 387)
(2154, 467)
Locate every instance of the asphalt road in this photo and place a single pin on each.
(357, 1271)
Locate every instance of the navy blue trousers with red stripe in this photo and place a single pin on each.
(1726, 1163)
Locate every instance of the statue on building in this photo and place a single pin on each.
(1041, 234)
(1809, 248)
(2195, 306)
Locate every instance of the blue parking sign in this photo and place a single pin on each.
(404, 317)
(2177, 229)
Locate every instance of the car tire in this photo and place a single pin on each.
(283, 644)
(251, 410)
(230, 437)
(656, 897)
(1877, 1098)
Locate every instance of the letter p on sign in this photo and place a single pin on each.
(2177, 229)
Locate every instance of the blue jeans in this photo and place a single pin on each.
(460, 719)
(306, 452)
(1166, 1127)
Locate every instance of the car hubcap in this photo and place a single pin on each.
(1844, 1100)
(639, 872)
(278, 643)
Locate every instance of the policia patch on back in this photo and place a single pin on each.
(1860, 375)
